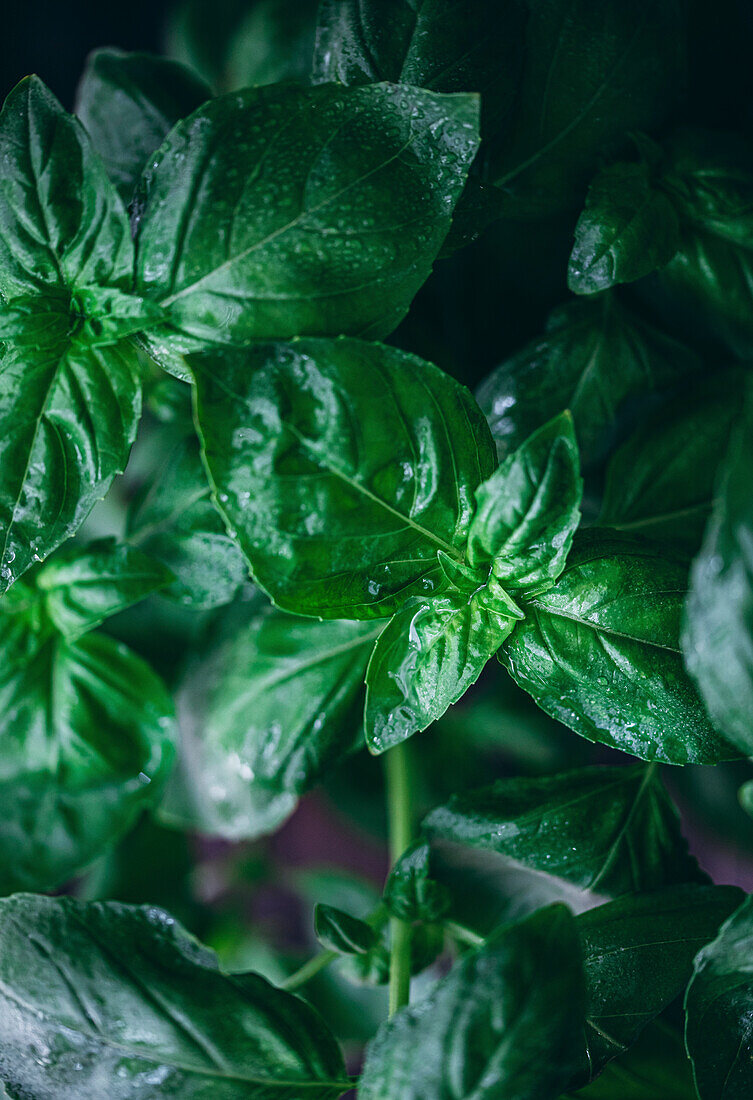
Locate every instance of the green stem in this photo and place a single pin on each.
(309, 970)
(463, 934)
(400, 828)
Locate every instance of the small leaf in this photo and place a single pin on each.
(628, 229)
(611, 830)
(426, 658)
(411, 893)
(286, 211)
(506, 1021)
(128, 103)
(719, 1011)
(718, 625)
(340, 932)
(343, 466)
(600, 651)
(125, 1002)
(529, 509)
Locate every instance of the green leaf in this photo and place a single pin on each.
(343, 467)
(275, 702)
(611, 830)
(529, 509)
(426, 658)
(507, 1020)
(628, 229)
(128, 103)
(600, 652)
(411, 892)
(441, 45)
(710, 177)
(68, 416)
(115, 1000)
(175, 520)
(655, 1068)
(660, 483)
(87, 744)
(285, 211)
(718, 624)
(83, 586)
(591, 358)
(719, 1011)
(638, 955)
(340, 932)
(593, 72)
(62, 223)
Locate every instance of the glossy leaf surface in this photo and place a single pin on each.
(87, 744)
(627, 230)
(719, 1010)
(718, 624)
(285, 211)
(507, 1020)
(660, 483)
(344, 467)
(600, 651)
(656, 1066)
(342, 933)
(128, 103)
(123, 1002)
(276, 701)
(411, 892)
(591, 358)
(610, 830)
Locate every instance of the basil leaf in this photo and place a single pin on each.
(591, 358)
(128, 103)
(529, 509)
(340, 932)
(638, 955)
(660, 483)
(275, 702)
(628, 229)
(84, 586)
(343, 467)
(425, 659)
(364, 181)
(440, 45)
(719, 1009)
(87, 744)
(68, 416)
(611, 830)
(600, 652)
(61, 221)
(594, 71)
(507, 1019)
(655, 1066)
(719, 613)
(710, 177)
(175, 520)
(411, 892)
(124, 1002)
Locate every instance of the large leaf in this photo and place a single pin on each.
(638, 955)
(660, 483)
(119, 1001)
(507, 1020)
(655, 1068)
(86, 743)
(718, 628)
(285, 211)
(593, 355)
(628, 229)
(68, 416)
(62, 223)
(719, 1011)
(611, 830)
(174, 519)
(343, 467)
(128, 103)
(600, 651)
(275, 703)
(593, 71)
